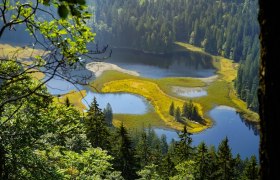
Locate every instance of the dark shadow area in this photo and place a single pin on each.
(269, 89)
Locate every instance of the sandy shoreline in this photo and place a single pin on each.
(209, 80)
(99, 67)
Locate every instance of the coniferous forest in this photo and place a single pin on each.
(42, 137)
(227, 28)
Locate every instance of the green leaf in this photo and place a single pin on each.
(46, 2)
(81, 2)
(62, 31)
(63, 11)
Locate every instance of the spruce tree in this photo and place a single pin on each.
(164, 145)
(238, 166)
(67, 102)
(213, 164)
(96, 129)
(202, 161)
(172, 109)
(143, 150)
(108, 113)
(190, 110)
(251, 170)
(183, 149)
(178, 114)
(124, 154)
(167, 167)
(225, 161)
(185, 110)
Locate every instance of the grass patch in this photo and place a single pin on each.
(160, 100)
(167, 84)
(108, 76)
(181, 46)
(22, 55)
(136, 121)
(19, 53)
(75, 98)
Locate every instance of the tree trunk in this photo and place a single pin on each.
(269, 97)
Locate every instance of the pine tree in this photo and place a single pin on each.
(190, 110)
(238, 166)
(167, 167)
(251, 170)
(164, 145)
(67, 102)
(225, 161)
(195, 115)
(213, 164)
(143, 150)
(96, 129)
(172, 109)
(108, 113)
(124, 154)
(202, 161)
(178, 114)
(185, 110)
(183, 149)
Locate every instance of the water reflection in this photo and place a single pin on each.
(122, 103)
(189, 92)
(243, 139)
(179, 64)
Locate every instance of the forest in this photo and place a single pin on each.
(227, 28)
(43, 139)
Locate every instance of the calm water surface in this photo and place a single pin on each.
(180, 64)
(122, 103)
(243, 138)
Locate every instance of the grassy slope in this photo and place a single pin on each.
(22, 54)
(133, 121)
(75, 99)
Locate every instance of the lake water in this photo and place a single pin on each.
(180, 64)
(122, 103)
(189, 92)
(243, 138)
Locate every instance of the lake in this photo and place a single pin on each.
(179, 64)
(243, 138)
(189, 92)
(122, 103)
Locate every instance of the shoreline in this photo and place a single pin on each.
(99, 67)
